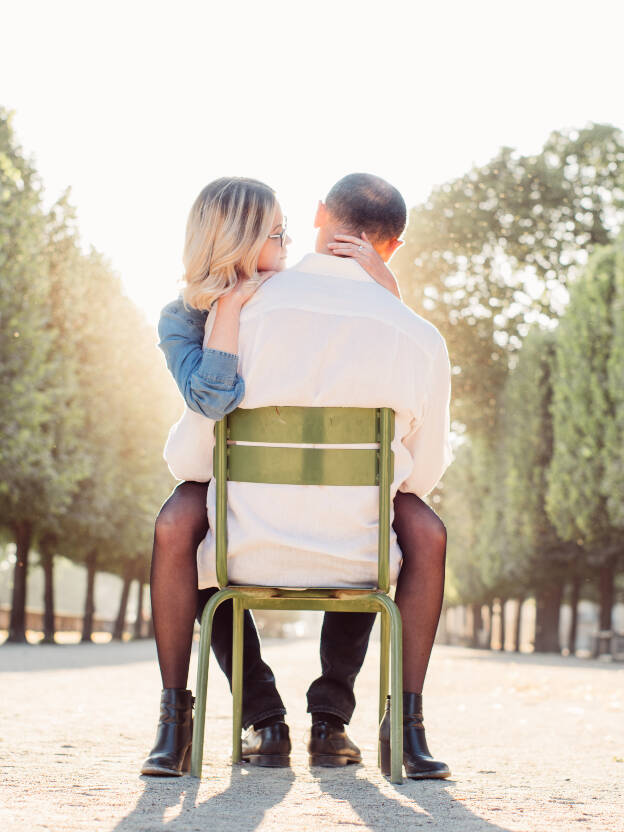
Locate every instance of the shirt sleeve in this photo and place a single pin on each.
(189, 447)
(429, 438)
(207, 378)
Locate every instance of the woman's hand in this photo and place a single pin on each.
(245, 289)
(224, 333)
(361, 250)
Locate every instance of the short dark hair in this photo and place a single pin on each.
(363, 202)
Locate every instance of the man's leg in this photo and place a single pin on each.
(262, 704)
(344, 638)
(344, 642)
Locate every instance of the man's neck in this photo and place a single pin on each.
(326, 235)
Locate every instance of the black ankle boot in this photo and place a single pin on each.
(171, 755)
(417, 759)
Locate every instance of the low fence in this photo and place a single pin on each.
(63, 622)
(457, 627)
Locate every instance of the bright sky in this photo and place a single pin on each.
(136, 105)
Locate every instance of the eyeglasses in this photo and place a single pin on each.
(281, 235)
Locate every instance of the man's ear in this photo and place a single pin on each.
(320, 218)
(393, 245)
(389, 248)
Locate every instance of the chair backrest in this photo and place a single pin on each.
(272, 462)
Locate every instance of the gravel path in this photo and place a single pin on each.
(534, 743)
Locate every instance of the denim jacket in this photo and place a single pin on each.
(207, 378)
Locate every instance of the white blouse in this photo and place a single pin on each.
(323, 333)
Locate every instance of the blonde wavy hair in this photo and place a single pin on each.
(228, 224)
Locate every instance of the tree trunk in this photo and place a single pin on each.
(574, 602)
(548, 607)
(89, 610)
(502, 624)
(47, 562)
(477, 624)
(489, 628)
(17, 624)
(606, 580)
(120, 623)
(518, 625)
(138, 623)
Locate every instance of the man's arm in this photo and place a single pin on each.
(429, 442)
(207, 378)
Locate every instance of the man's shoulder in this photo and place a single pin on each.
(417, 326)
(305, 289)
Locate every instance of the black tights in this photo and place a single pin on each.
(180, 527)
(422, 539)
(182, 524)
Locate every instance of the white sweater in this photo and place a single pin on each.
(323, 333)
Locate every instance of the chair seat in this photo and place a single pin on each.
(308, 592)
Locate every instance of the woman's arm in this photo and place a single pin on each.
(207, 378)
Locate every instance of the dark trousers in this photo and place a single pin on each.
(344, 641)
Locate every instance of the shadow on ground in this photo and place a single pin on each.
(426, 803)
(170, 805)
(240, 808)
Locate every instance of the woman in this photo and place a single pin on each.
(235, 240)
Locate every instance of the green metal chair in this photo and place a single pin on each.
(303, 466)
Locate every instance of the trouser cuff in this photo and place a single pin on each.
(249, 720)
(330, 709)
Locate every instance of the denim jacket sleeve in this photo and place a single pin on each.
(207, 378)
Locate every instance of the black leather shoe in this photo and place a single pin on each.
(330, 746)
(268, 746)
(171, 755)
(417, 759)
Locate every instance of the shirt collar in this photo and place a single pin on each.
(329, 264)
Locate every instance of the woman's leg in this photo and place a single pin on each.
(420, 587)
(422, 539)
(180, 527)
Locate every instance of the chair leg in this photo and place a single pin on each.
(384, 667)
(237, 678)
(203, 659)
(384, 660)
(396, 700)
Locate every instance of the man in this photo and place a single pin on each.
(324, 333)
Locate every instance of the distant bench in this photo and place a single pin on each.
(609, 643)
(63, 622)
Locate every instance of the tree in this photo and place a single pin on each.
(28, 377)
(584, 418)
(492, 252)
(540, 560)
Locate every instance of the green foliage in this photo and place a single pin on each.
(26, 375)
(583, 409)
(535, 552)
(614, 437)
(489, 253)
(86, 399)
(466, 489)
